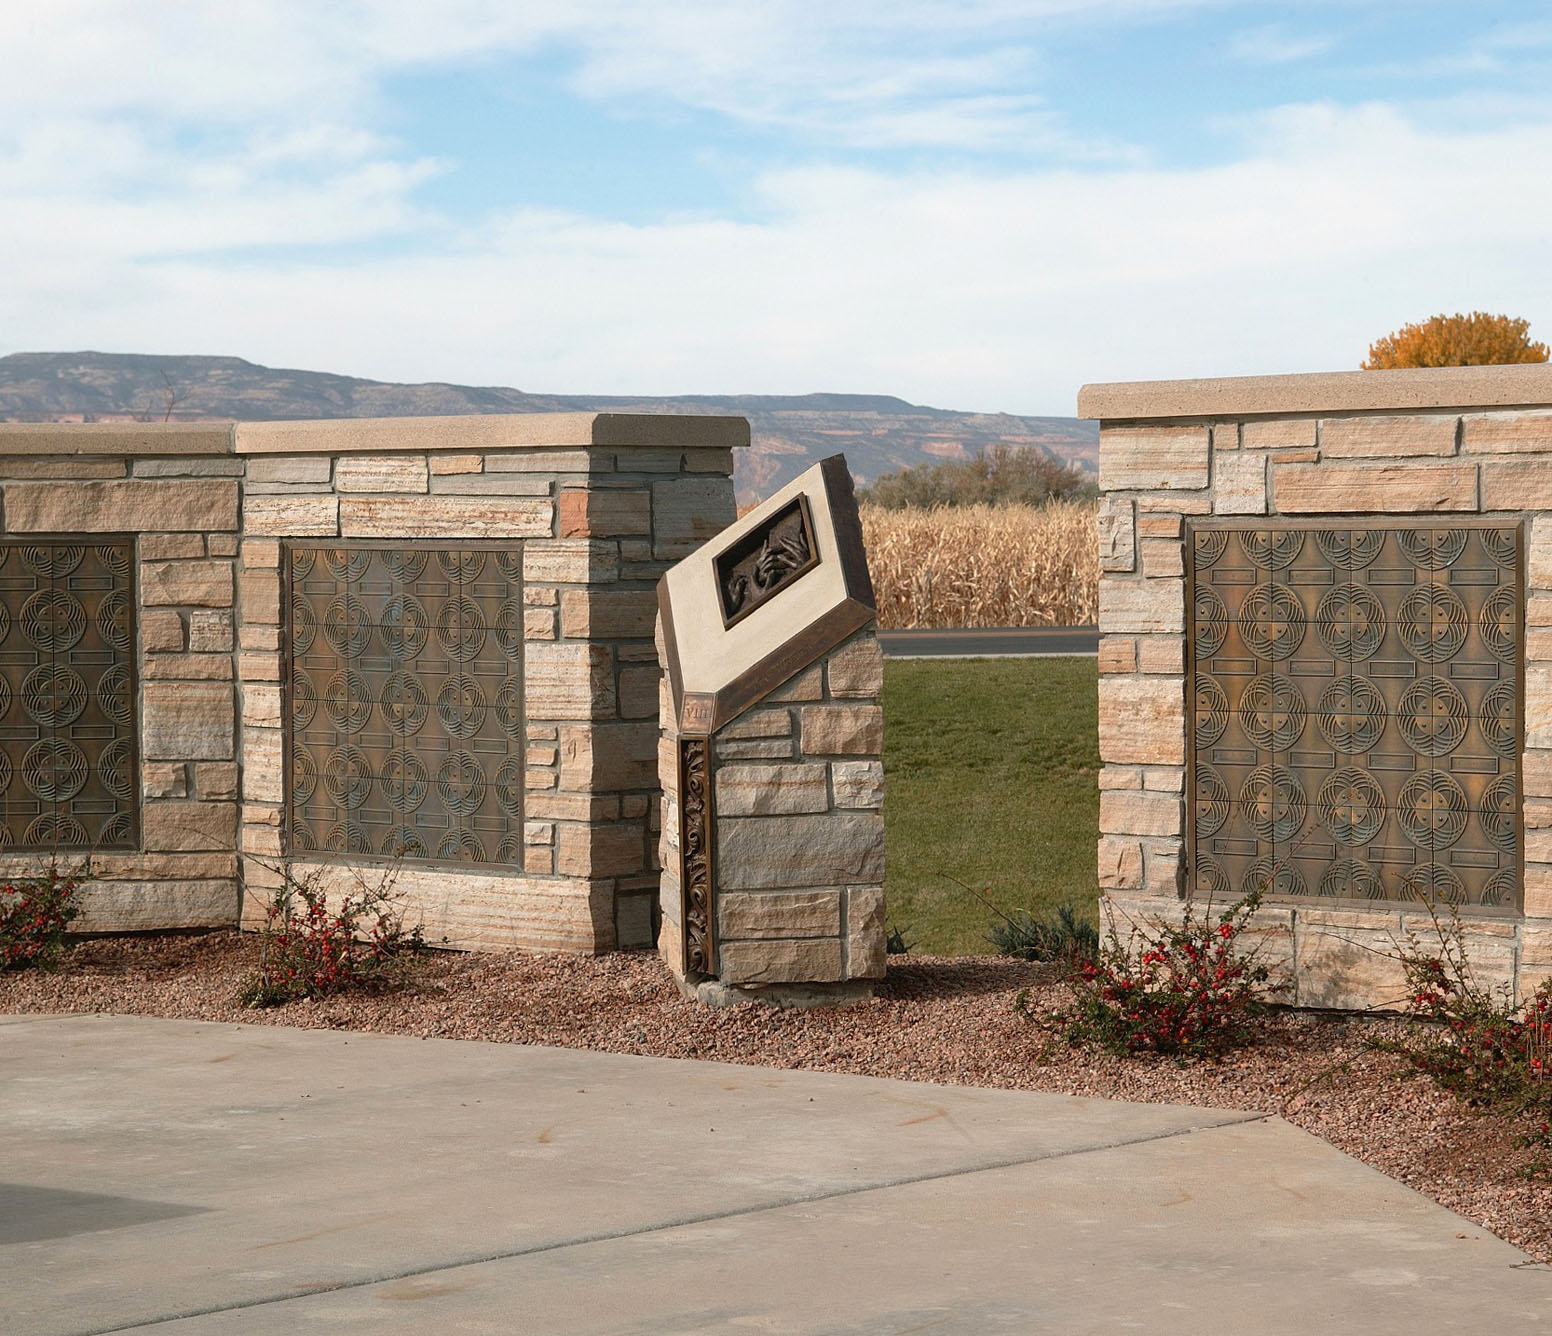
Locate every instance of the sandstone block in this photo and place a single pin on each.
(455, 464)
(771, 790)
(752, 749)
(290, 468)
(171, 546)
(857, 668)
(638, 692)
(1388, 437)
(758, 723)
(130, 906)
(444, 517)
(604, 513)
(550, 461)
(1117, 654)
(182, 505)
(601, 851)
(290, 516)
(1278, 434)
(203, 583)
(1517, 484)
(263, 773)
(1119, 777)
(490, 484)
(608, 757)
(161, 630)
(1163, 871)
(1347, 967)
(570, 561)
(74, 466)
(710, 460)
(779, 914)
(1538, 554)
(858, 784)
(1138, 813)
(1390, 489)
(1117, 535)
(216, 779)
(565, 680)
(1134, 459)
(815, 960)
(260, 554)
(187, 721)
(1225, 436)
(1142, 720)
(261, 704)
(688, 511)
(1239, 483)
(1142, 605)
(539, 624)
(161, 780)
(187, 667)
(1507, 433)
(1159, 526)
(1161, 654)
(842, 730)
(1164, 557)
(1164, 778)
(164, 867)
(210, 632)
(187, 826)
(381, 473)
(866, 938)
(784, 852)
(607, 614)
(807, 685)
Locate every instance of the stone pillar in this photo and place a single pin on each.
(773, 837)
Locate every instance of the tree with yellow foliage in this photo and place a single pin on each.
(1477, 339)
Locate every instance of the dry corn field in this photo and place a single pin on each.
(984, 565)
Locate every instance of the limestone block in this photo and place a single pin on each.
(171, 546)
(812, 960)
(780, 852)
(570, 561)
(1152, 458)
(1517, 484)
(1161, 654)
(607, 614)
(180, 826)
(1142, 720)
(1507, 433)
(289, 468)
(128, 906)
(161, 630)
(857, 668)
(604, 512)
(758, 723)
(1278, 434)
(210, 632)
(1117, 535)
(771, 790)
(601, 851)
(381, 473)
(688, 511)
(472, 517)
(858, 784)
(187, 667)
(1163, 557)
(290, 516)
(1117, 654)
(1123, 812)
(201, 583)
(1239, 483)
(609, 757)
(1387, 489)
(779, 914)
(566, 680)
(1388, 437)
(175, 505)
(866, 938)
(842, 730)
(187, 721)
(1141, 605)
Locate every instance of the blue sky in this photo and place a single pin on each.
(978, 204)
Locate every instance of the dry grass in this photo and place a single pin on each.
(984, 565)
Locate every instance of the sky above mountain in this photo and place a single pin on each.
(970, 203)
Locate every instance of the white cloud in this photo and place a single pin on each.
(1274, 44)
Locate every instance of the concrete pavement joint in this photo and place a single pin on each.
(708, 1217)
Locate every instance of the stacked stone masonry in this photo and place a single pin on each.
(1387, 451)
(592, 508)
(797, 785)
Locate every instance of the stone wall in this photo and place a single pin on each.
(797, 786)
(601, 504)
(1383, 447)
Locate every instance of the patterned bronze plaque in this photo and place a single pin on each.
(404, 700)
(1355, 712)
(69, 765)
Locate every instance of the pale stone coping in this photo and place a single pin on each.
(1462, 387)
(464, 432)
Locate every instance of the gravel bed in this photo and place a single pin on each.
(946, 1020)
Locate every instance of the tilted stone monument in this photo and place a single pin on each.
(770, 759)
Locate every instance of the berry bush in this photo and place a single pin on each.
(35, 914)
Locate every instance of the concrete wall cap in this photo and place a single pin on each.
(493, 431)
(1456, 387)
(115, 438)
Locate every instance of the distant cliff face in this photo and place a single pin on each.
(877, 433)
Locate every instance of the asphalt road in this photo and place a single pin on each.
(990, 642)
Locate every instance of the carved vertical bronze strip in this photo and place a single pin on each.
(695, 856)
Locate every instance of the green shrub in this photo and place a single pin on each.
(35, 914)
(1002, 475)
(1059, 936)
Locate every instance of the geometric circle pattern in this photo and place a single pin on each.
(1351, 879)
(1500, 623)
(1274, 803)
(1433, 810)
(1351, 805)
(1349, 549)
(1498, 719)
(1271, 712)
(1351, 714)
(1213, 801)
(1433, 549)
(1350, 622)
(1432, 623)
(1272, 549)
(1273, 876)
(1272, 621)
(1433, 716)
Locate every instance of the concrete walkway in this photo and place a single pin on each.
(185, 1178)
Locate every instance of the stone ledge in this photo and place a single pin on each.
(1464, 387)
(484, 431)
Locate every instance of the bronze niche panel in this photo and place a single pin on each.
(69, 757)
(1355, 712)
(405, 734)
(761, 563)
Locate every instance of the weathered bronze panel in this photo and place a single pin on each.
(695, 851)
(1355, 712)
(404, 700)
(766, 560)
(69, 757)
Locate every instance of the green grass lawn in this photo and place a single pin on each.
(991, 775)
